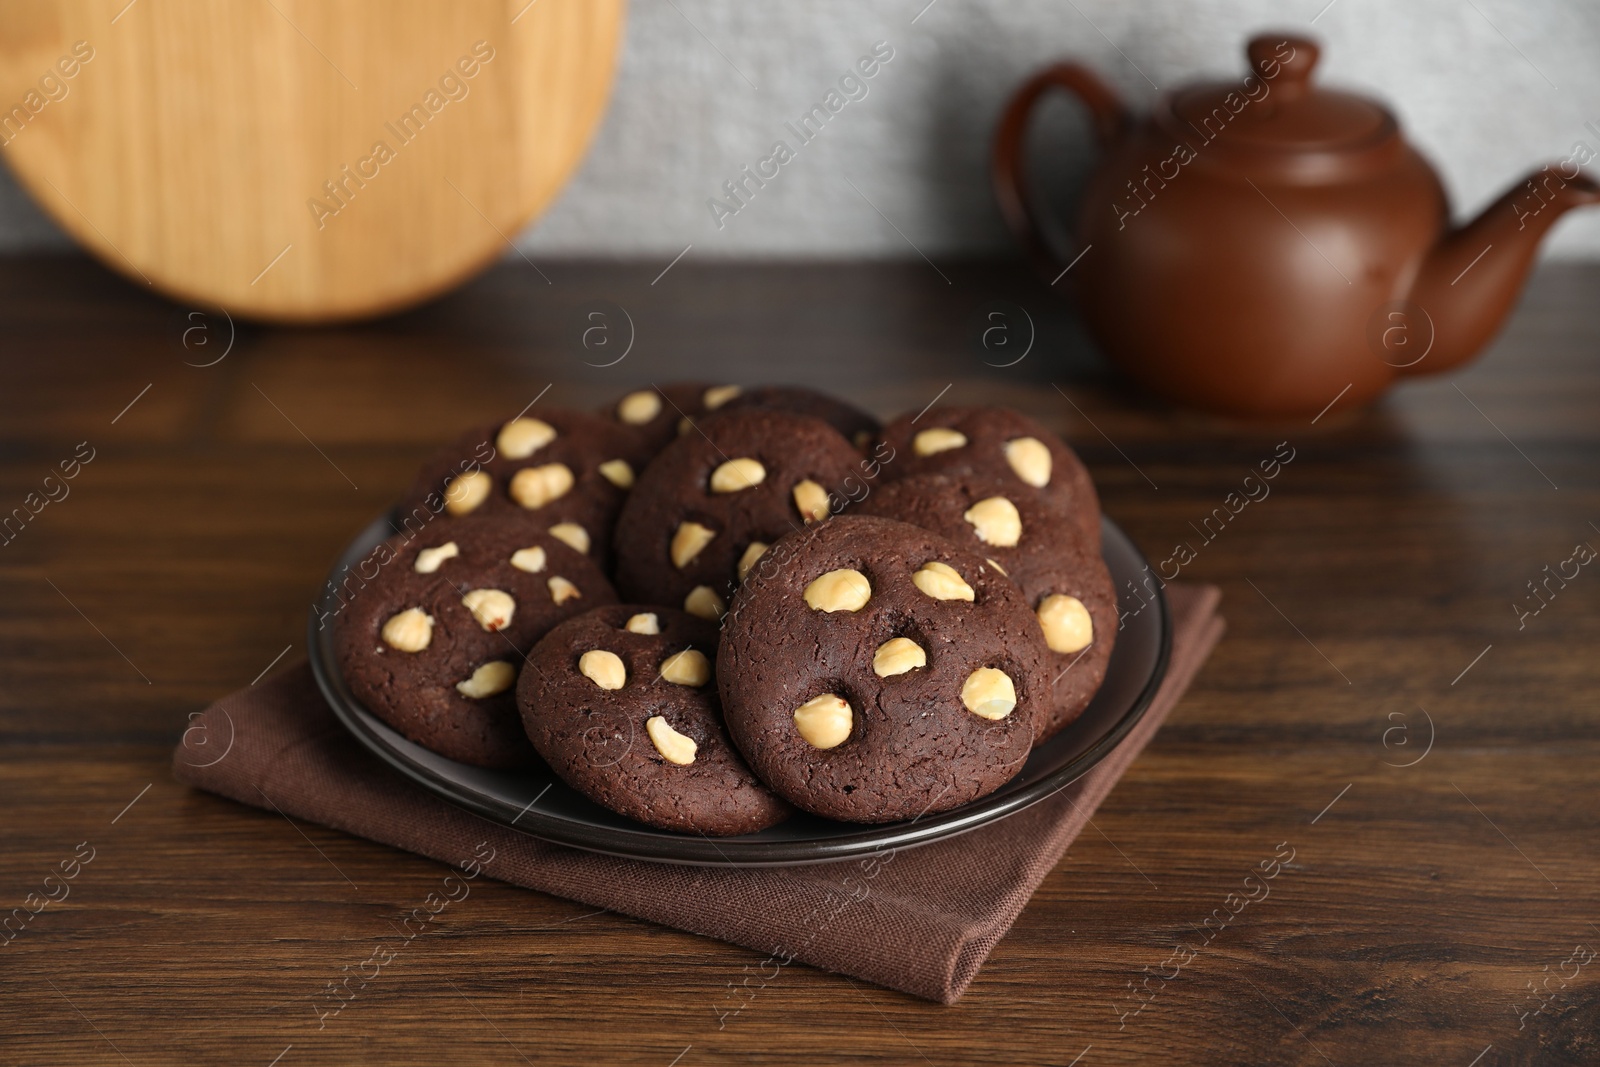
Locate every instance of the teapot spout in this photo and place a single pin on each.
(1470, 280)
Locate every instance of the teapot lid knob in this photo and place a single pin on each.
(1284, 58)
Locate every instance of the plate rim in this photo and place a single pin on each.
(634, 843)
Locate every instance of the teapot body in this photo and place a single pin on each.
(1264, 295)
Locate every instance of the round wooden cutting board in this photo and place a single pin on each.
(300, 160)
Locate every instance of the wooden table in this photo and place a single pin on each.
(1378, 705)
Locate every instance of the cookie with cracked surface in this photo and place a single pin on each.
(874, 671)
(622, 703)
(1062, 578)
(560, 470)
(663, 413)
(857, 427)
(702, 513)
(433, 626)
(1002, 445)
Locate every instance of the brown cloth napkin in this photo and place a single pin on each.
(921, 920)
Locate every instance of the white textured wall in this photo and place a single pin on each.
(1487, 88)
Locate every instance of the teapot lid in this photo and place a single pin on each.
(1276, 114)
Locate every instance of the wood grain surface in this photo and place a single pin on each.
(1378, 705)
(294, 160)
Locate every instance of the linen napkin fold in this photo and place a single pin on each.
(921, 920)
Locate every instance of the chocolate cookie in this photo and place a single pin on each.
(1062, 578)
(560, 470)
(857, 427)
(661, 413)
(1001, 445)
(713, 501)
(622, 703)
(433, 634)
(873, 671)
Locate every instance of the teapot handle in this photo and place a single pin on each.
(1008, 163)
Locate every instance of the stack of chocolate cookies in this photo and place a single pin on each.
(705, 607)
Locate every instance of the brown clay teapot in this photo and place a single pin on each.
(1261, 248)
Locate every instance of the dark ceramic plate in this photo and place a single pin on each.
(537, 802)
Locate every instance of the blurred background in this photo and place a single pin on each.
(1485, 88)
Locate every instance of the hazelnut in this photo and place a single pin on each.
(562, 590)
(737, 474)
(941, 581)
(534, 487)
(492, 608)
(1066, 623)
(638, 408)
(995, 521)
(570, 533)
(686, 668)
(897, 656)
(521, 438)
(989, 694)
(704, 603)
(494, 677)
(754, 551)
(465, 493)
(996, 566)
(673, 746)
(824, 721)
(812, 500)
(719, 395)
(430, 559)
(645, 622)
(687, 542)
(938, 439)
(685, 424)
(531, 560)
(409, 631)
(1030, 459)
(603, 668)
(840, 590)
(617, 472)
